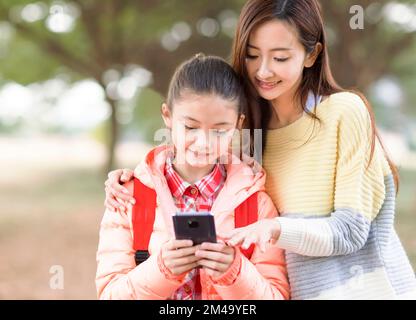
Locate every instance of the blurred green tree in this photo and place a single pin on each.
(95, 36)
(105, 35)
(362, 56)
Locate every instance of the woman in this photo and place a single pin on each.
(328, 174)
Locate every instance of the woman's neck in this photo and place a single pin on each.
(285, 112)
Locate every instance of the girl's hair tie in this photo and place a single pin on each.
(199, 55)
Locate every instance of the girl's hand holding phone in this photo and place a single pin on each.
(178, 256)
(216, 258)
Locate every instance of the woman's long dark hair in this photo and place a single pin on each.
(306, 17)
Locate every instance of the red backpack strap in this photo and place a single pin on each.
(247, 213)
(143, 217)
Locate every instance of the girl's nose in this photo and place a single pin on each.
(201, 139)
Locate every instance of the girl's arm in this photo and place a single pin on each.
(117, 276)
(262, 277)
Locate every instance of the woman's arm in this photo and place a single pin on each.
(264, 276)
(359, 195)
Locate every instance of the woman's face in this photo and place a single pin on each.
(275, 59)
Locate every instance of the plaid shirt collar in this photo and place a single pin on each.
(207, 186)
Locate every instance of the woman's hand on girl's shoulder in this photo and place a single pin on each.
(116, 195)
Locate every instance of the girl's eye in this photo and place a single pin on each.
(220, 132)
(190, 128)
(281, 59)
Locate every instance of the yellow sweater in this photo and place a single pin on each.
(337, 209)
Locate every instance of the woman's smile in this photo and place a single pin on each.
(267, 85)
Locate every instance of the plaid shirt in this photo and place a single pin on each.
(190, 198)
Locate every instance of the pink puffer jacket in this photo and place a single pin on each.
(262, 277)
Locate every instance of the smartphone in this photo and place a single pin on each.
(196, 226)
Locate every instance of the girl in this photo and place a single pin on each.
(327, 170)
(205, 105)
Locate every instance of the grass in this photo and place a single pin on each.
(52, 218)
(55, 222)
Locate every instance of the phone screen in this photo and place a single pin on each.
(196, 226)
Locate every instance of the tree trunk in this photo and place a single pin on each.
(113, 136)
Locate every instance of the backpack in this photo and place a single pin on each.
(143, 217)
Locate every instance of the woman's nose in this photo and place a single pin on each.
(264, 71)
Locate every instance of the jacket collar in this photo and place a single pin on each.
(243, 179)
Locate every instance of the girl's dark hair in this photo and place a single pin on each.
(306, 17)
(207, 75)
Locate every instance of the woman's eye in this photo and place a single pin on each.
(281, 59)
(248, 56)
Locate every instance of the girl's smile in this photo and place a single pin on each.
(199, 154)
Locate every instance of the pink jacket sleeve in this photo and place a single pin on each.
(264, 276)
(117, 276)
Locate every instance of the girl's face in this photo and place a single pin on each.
(275, 59)
(202, 127)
